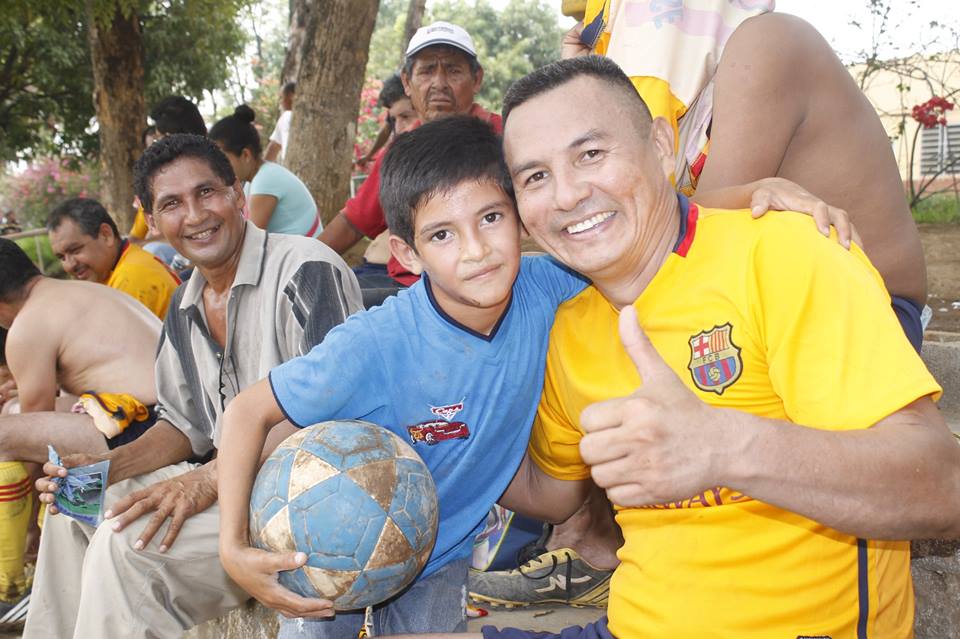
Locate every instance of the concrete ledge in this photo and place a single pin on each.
(935, 564)
(941, 354)
(250, 621)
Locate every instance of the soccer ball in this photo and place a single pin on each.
(357, 500)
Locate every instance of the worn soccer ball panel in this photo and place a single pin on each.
(357, 500)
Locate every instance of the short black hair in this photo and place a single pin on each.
(173, 147)
(558, 73)
(176, 114)
(16, 270)
(391, 91)
(87, 213)
(289, 88)
(236, 132)
(471, 59)
(432, 160)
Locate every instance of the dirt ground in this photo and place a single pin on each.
(941, 246)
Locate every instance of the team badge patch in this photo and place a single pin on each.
(715, 361)
(449, 411)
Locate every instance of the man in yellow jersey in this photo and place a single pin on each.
(86, 241)
(784, 427)
(750, 94)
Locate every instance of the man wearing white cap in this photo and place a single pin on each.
(441, 75)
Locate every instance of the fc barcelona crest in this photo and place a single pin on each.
(715, 360)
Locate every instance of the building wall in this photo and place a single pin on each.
(897, 88)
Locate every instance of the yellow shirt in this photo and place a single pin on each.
(771, 318)
(144, 277)
(139, 229)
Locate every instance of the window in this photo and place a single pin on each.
(940, 150)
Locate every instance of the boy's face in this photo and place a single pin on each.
(468, 243)
(403, 115)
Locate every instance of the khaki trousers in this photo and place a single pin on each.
(92, 584)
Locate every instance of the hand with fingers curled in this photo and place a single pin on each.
(778, 194)
(571, 45)
(47, 485)
(256, 570)
(8, 386)
(661, 443)
(175, 499)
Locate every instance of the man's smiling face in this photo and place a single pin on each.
(199, 215)
(587, 174)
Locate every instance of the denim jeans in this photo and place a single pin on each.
(434, 604)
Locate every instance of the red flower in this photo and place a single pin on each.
(932, 112)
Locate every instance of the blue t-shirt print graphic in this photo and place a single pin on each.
(442, 428)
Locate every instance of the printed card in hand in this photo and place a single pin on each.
(81, 492)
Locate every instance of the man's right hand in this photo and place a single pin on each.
(8, 386)
(47, 486)
(256, 571)
(176, 499)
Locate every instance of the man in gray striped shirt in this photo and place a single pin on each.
(254, 301)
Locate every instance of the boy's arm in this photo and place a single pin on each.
(538, 495)
(783, 195)
(246, 422)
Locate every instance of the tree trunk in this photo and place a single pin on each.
(324, 124)
(299, 11)
(414, 20)
(116, 54)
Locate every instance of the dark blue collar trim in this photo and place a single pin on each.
(466, 329)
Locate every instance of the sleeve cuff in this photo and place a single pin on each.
(276, 397)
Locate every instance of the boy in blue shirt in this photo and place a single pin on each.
(463, 348)
(454, 366)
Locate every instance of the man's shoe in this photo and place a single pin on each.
(558, 576)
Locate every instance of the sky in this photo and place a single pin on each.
(909, 32)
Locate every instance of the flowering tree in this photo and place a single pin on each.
(929, 115)
(369, 122)
(46, 182)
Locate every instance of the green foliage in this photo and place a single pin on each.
(512, 42)
(46, 83)
(385, 45)
(40, 244)
(188, 45)
(940, 208)
(267, 50)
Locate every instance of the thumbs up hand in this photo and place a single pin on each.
(660, 443)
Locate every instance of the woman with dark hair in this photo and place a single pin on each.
(276, 198)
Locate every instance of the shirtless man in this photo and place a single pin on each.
(75, 337)
(69, 336)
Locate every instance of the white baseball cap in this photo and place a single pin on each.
(441, 33)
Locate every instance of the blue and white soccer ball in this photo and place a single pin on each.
(357, 500)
